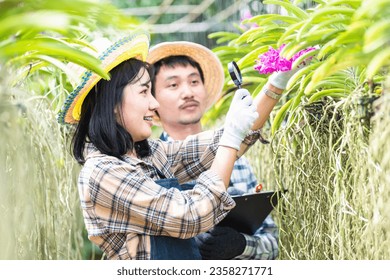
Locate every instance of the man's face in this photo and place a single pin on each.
(181, 94)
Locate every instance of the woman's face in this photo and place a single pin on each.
(138, 107)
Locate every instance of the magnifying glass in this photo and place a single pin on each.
(235, 73)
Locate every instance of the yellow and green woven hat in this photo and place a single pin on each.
(111, 55)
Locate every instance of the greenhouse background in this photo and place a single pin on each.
(329, 135)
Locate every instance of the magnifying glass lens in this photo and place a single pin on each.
(235, 73)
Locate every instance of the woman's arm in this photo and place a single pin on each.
(239, 119)
(266, 100)
(265, 104)
(223, 163)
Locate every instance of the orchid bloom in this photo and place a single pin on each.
(271, 61)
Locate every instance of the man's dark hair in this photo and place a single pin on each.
(172, 61)
(98, 124)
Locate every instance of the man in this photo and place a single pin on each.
(188, 80)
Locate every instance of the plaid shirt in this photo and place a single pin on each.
(263, 244)
(122, 205)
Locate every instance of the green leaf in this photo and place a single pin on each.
(222, 37)
(278, 19)
(301, 14)
(279, 117)
(43, 61)
(290, 31)
(327, 49)
(244, 38)
(34, 22)
(336, 22)
(250, 58)
(377, 36)
(306, 71)
(54, 48)
(338, 61)
(353, 34)
(373, 9)
(255, 80)
(320, 36)
(329, 11)
(380, 60)
(334, 93)
(267, 39)
(352, 3)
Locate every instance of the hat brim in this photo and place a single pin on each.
(209, 62)
(132, 46)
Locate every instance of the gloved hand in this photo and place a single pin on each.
(220, 243)
(280, 79)
(239, 119)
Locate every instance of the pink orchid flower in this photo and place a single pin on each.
(271, 61)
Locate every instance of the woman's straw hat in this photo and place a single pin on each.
(111, 55)
(210, 64)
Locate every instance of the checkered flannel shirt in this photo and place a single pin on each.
(123, 206)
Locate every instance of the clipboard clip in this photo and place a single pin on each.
(258, 188)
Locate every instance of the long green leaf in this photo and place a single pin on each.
(328, 12)
(380, 60)
(279, 117)
(353, 34)
(250, 58)
(289, 7)
(55, 48)
(279, 19)
(291, 30)
(306, 71)
(377, 36)
(334, 93)
(352, 3)
(34, 21)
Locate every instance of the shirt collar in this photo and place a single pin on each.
(165, 137)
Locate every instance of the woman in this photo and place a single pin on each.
(129, 185)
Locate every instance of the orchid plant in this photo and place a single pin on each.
(272, 60)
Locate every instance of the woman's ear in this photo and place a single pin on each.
(116, 114)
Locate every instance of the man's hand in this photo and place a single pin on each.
(220, 243)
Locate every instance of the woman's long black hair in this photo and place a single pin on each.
(98, 122)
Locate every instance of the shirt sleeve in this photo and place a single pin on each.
(187, 159)
(243, 179)
(263, 245)
(123, 199)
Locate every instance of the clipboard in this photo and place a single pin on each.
(251, 210)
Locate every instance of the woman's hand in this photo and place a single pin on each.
(280, 79)
(239, 119)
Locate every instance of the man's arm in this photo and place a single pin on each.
(263, 245)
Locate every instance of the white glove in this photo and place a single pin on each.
(280, 79)
(239, 119)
